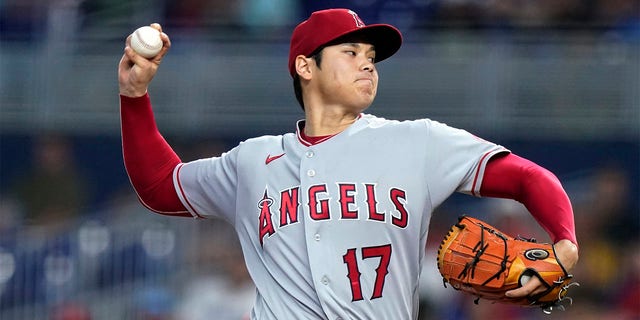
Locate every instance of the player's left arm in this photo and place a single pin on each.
(540, 191)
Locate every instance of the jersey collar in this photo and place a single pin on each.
(310, 141)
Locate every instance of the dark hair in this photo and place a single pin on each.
(297, 89)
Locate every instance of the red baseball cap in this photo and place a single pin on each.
(325, 26)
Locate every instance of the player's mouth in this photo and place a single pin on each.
(369, 80)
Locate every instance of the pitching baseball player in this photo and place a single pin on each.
(333, 217)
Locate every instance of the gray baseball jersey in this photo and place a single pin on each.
(337, 230)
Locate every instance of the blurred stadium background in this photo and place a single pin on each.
(557, 81)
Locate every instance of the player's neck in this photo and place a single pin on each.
(324, 122)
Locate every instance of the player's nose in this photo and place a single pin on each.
(367, 65)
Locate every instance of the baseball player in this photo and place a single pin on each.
(333, 217)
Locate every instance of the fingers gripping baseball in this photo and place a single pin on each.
(567, 254)
(531, 287)
(135, 72)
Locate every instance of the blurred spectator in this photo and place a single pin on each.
(199, 13)
(509, 13)
(62, 24)
(607, 223)
(617, 13)
(70, 311)
(153, 303)
(627, 299)
(22, 20)
(610, 209)
(54, 190)
(220, 284)
(263, 15)
(9, 218)
(620, 19)
(100, 12)
(436, 301)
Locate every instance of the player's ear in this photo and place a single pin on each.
(303, 67)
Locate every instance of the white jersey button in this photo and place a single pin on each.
(309, 154)
(311, 173)
(317, 237)
(325, 280)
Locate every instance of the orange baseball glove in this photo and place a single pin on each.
(478, 259)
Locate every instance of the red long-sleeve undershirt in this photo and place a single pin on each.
(150, 160)
(512, 177)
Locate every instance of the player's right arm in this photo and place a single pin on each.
(148, 158)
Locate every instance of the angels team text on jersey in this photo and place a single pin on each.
(286, 206)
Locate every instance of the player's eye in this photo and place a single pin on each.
(350, 52)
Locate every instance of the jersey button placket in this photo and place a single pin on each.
(310, 154)
(310, 176)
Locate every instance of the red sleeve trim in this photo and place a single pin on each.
(476, 178)
(182, 195)
(539, 190)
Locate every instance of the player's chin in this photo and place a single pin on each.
(363, 103)
(367, 86)
(366, 94)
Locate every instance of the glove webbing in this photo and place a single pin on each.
(480, 249)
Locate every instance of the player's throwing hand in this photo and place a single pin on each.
(135, 72)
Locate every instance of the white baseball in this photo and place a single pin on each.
(146, 41)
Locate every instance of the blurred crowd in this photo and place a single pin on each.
(34, 19)
(64, 256)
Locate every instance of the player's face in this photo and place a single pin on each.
(347, 75)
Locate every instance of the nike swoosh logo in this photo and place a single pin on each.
(271, 158)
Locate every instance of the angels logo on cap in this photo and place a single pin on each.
(359, 22)
(326, 26)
